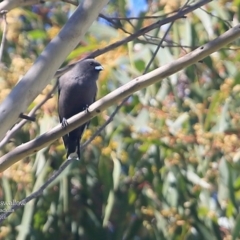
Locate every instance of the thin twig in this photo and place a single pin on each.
(228, 22)
(29, 118)
(3, 35)
(143, 17)
(123, 18)
(114, 23)
(168, 45)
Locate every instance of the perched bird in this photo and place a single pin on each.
(77, 90)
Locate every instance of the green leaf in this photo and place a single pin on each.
(37, 35)
(116, 172)
(211, 114)
(108, 208)
(105, 174)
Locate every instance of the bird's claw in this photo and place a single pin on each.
(86, 108)
(64, 123)
(73, 156)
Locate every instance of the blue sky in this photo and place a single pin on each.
(136, 6)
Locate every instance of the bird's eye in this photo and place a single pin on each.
(91, 63)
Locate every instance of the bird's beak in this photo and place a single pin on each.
(99, 68)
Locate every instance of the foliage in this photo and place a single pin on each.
(166, 167)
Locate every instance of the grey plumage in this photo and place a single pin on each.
(77, 90)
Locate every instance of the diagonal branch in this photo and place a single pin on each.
(118, 95)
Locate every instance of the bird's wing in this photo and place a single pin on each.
(88, 123)
(65, 137)
(59, 92)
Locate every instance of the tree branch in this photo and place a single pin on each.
(118, 95)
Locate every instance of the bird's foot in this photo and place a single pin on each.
(86, 108)
(73, 156)
(64, 122)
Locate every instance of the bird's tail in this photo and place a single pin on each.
(73, 149)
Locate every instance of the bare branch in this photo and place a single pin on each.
(227, 22)
(117, 95)
(142, 17)
(114, 24)
(168, 45)
(26, 117)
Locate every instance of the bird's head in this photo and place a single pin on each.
(90, 66)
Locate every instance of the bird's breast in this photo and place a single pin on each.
(75, 97)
